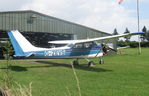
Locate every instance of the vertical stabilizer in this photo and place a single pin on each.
(21, 45)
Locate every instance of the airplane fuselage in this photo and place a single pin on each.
(67, 52)
(85, 48)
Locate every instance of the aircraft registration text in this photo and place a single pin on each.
(55, 53)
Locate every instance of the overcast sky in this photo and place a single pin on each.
(104, 15)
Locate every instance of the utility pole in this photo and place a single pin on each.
(138, 18)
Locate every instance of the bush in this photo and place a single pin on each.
(122, 43)
(145, 44)
(133, 44)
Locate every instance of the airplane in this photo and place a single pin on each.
(74, 49)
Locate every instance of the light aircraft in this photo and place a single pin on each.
(76, 49)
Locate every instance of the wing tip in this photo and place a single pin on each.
(137, 33)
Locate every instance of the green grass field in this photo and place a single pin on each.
(121, 75)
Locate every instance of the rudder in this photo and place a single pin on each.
(20, 44)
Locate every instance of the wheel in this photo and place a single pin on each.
(91, 63)
(101, 61)
(75, 62)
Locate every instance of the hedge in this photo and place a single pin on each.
(133, 44)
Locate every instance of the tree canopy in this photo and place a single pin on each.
(127, 38)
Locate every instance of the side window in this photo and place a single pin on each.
(85, 45)
(77, 46)
(88, 45)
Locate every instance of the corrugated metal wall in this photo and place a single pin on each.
(31, 21)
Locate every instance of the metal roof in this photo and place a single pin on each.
(31, 11)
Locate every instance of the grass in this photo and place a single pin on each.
(126, 74)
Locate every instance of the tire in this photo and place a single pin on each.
(91, 63)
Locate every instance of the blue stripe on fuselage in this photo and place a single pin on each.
(68, 52)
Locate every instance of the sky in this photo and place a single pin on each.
(103, 15)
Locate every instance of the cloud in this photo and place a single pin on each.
(144, 1)
(99, 14)
(12, 5)
(104, 15)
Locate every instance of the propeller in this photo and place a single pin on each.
(107, 48)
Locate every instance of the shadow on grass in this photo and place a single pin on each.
(53, 64)
(15, 68)
(80, 67)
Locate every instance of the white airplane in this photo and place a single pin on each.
(76, 49)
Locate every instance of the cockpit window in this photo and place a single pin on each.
(78, 45)
(84, 45)
(88, 45)
(57, 45)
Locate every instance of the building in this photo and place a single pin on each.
(39, 28)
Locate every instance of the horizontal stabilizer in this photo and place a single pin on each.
(24, 55)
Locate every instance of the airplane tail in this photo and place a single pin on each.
(22, 47)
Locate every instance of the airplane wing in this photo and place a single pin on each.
(94, 39)
(63, 42)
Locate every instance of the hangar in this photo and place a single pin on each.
(40, 28)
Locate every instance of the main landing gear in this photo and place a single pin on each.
(90, 63)
(76, 63)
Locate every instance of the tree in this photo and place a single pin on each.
(143, 37)
(127, 39)
(115, 33)
(147, 35)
